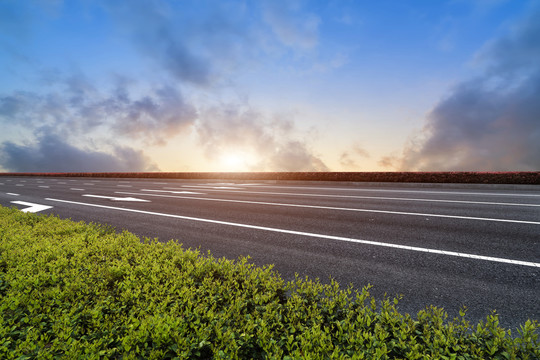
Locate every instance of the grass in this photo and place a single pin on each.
(75, 290)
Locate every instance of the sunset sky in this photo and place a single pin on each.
(344, 85)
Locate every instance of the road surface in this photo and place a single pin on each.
(474, 246)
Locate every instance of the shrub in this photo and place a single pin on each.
(76, 290)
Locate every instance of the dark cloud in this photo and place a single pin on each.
(77, 107)
(52, 154)
(235, 128)
(156, 117)
(492, 122)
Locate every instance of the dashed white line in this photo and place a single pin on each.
(76, 189)
(314, 235)
(399, 191)
(339, 208)
(120, 185)
(12, 194)
(44, 186)
(354, 196)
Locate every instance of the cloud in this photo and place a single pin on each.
(78, 108)
(196, 49)
(293, 27)
(349, 158)
(227, 128)
(52, 154)
(491, 122)
(293, 155)
(155, 118)
(152, 28)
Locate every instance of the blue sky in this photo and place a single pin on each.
(148, 85)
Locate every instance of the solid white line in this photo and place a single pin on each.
(367, 197)
(339, 208)
(399, 191)
(321, 236)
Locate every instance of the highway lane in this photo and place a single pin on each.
(321, 223)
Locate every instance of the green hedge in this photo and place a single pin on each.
(74, 290)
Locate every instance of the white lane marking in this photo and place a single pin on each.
(77, 189)
(120, 185)
(175, 192)
(394, 190)
(322, 236)
(373, 198)
(43, 186)
(33, 208)
(19, 185)
(89, 184)
(114, 198)
(160, 183)
(1, 183)
(341, 209)
(13, 194)
(62, 183)
(203, 187)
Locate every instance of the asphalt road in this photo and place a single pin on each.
(450, 247)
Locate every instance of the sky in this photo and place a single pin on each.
(269, 85)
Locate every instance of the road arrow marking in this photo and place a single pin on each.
(33, 207)
(113, 198)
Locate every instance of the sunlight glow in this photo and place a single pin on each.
(237, 161)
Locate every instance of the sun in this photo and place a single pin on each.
(236, 161)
